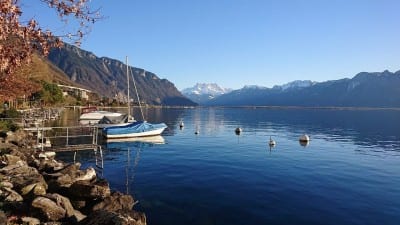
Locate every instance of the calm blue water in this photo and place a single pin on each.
(348, 174)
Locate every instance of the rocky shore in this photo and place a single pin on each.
(37, 189)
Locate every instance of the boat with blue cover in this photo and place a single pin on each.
(135, 129)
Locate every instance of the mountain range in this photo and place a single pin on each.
(378, 89)
(107, 77)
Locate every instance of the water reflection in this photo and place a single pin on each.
(362, 127)
(366, 128)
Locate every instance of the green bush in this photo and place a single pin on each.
(10, 113)
(8, 125)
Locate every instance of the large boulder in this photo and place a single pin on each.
(35, 189)
(62, 180)
(8, 159)
(19, 137)
(47, 210)
(6, 148)
(24, 176)
(10, 195)
(90, 190)
(116, 201)
(101, 217)
(62, 202)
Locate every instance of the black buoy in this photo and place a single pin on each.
(238, 130)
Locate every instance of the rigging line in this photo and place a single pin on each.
(137, 95)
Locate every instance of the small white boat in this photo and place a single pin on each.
(90, 115)
(122, 120)
(135, 129)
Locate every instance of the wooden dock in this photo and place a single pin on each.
(73, 148)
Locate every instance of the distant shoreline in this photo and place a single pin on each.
(252, 107)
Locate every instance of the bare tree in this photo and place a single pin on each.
(20, 39)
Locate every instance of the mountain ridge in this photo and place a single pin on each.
(107, 77)
(377, 89)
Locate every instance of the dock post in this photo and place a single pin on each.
(67, 137)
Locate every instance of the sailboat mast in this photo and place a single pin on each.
(127, 79)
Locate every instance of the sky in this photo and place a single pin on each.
(244, 42)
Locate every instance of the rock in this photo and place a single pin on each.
(24, 176)
(78, 204)
(47, 155)
(101, 217)
(3, 218)
(10, 159)
(88, 190)
(18, 138)
(48, 209)
(64, 180)
(9, 168)
(69, 175)
(35, 189)
(27, 189)
(62, 202)
(49, 165)
(88, 175)
(6, 148)
(6, 184)
(30, 220)
(72, 176)
(40, 189)
(11, 195)
(70, 169)
(78, 216)
(116, 201)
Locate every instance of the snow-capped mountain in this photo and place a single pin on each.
(202, 92)
(377, 89)
(297, 84)
(206, 88)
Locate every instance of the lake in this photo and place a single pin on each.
(349, 173)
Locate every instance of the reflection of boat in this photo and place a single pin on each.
(134, 142)
(90, 115)
(135, 129)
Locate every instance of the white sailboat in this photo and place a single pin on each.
(137, 128)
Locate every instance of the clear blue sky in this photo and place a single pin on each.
(247, 42)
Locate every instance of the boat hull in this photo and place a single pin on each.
(98, 115)
(136, 129)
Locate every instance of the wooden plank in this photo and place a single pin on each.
(74, 148)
